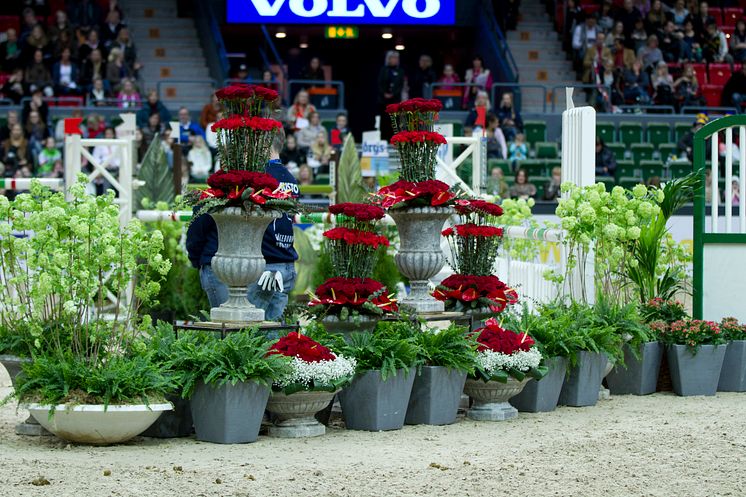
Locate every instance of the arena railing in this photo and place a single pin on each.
(516, 89)
(317, 92)
(438, 90)
(696, 109)
(110, 103)
(560, 89)
(212, 39)
(646, 109)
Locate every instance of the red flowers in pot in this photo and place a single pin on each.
(468, 292)
(410, 194)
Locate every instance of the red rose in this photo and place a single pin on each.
(296, 345)
(418, 137)
(360, 212)
(475, 230)
(493, 337)
(352, 292)
(226, 180)
(392, 108)
(466, 207)
(357, 237)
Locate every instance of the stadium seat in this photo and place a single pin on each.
(534, 167)
(608, 181)
(679, 169)
(674, 68)
(8, 22)
(535, 131)
(618, 148)
(539, 182)
(642, 152)
(680, 129)
(630, 133)
(667, 150)
(546, 150)
(712, 94)
(651, 168)
(321, 179)
(731, 15)
(718, 74)
(629, 183)
(728, 30)
(551, 164)
(700, 70)
(625, 169)
(659, 133)
(716, 14)
(502, 164)
(606, 131)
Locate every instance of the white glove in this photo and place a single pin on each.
(279, 284)
(266, 281)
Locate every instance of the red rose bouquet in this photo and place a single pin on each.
(357, 216)
(504, 353)
(462, 292)
(313, 366)
(416, 114)
(417, 153)
(408, 194)
(249, 100)
(353, 251)
(347, 296)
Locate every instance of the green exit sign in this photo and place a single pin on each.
(341, 32)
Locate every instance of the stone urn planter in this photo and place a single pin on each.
(420, 256)
(638, 375)
(542, 395)
(239, 261)
(372, 404)
(491, 398)
(583, 382)
(30, 426)
(97, 424)
(733, 374)
(295, 413)
(695, 374)
(334, 324)
(229, 414)
(175, 423)
(436, 395)
(603, 392)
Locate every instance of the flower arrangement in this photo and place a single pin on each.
(732, 329)
(474, 244)
(313, 366)
(244, 142)
(416, 114)
(415, 194)
(660, 310)
(693, 333)
(352, 247)
(503, 353)
(238, 187)
(243, 99)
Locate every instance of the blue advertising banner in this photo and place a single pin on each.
(348, 12)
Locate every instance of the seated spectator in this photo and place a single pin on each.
(28, 22)
(617, 33)
(510, 119)
(15, 152)
(636, 83)
(686, 88)
(476, 119)
(58, 170)
(715, 45)
(738, 42)
(685, 145)
(10, 120)
(595, 57)
(187, 127)
(479, 77)
(92, 43)
(128, 97)
(93, 67)
(734, 91)
(639, 37)
(47, 157)
(369, 181)
(679, 14)
(496, 184)
(320, 154)
(340, 131)
(623, 57)
(85, 14)
(65, 41)
(291, 155)
(36, 103)
(65, 75)
(309, 134)
(313, 71)
(735, 191)
(422, 77)
(583, 36)
(662, 85)
(605, 160)
(656, 17)
(449, 76)
(299, 113)
(98, 96)
(154, 106)
(95, 125)
(200, 160)
(10, 51)
(152, 128)
(517, 150)
(606, 17)
(38, 75)
(269, 81)
(701, 19)
(650, 54)
(670, 42)
(110, 28)
(116, 69)
(629, 16)
(553, 186)
(61, 25)
(691, 45)
(211, 138)
(209, 112)
(522, 189)
(15, 88)
(36, 132)
(497, 148)
(305, 175)
(124, 43)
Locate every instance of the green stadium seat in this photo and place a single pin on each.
(629, 183)
(659, 133)
(546, 150)
(551, 164)
(679, 169)
(651, 168)
(680, 129)
(503, 164)
(607, 131)
(534, 167)
(626, 169)
(535, 131)
(608, 181)
(618, 148)
(642, 151)
(630, 133)
(329, 125)
(321, 179)
(667, 151)
(539, 182)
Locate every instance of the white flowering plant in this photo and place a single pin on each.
(504, 354)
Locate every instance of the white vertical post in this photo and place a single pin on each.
(715, 192)
(728, 179)
(477, 165)
(742, 179)
(72, 161)
(125, 184)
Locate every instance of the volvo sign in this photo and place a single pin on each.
(388, 12)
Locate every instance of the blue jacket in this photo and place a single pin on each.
(202, 240)
(277, 245)
(184, 131)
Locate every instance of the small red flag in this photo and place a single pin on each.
(72, 125)
(481, 117)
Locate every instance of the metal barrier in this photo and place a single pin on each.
(696, 109)
(499, 43)
(516, 90)
(18, 184)
(585, 86)
(110, 103)
(339, 85)
(449, 101)
(6, 102)
(664, 109)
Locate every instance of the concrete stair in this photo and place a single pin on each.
(538, 52)
(170, 51)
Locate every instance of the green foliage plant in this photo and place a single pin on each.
(452, 348)
(392, 346)
(732, 329)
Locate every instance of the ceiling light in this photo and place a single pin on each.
(387, 35)
(303, 45)
(399, 47)
(281, 34)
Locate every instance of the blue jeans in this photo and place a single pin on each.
(274, 303)
(216, 291)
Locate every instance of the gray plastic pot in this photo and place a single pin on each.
(695, 374)
(733, 374)
(436, 395)
(542, 395)
(229, 414)
(173, 424)
(583, 382)
(638, 376)
(371, 404)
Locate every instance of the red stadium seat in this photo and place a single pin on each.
(728, 30)
(712, 94)
(4, 77)
(674, 69)
(590, 9)
(717, 14)
(700, 71)
(7, 22)
(731, 15)
(718, 74)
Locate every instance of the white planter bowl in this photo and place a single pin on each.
(91, 424)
